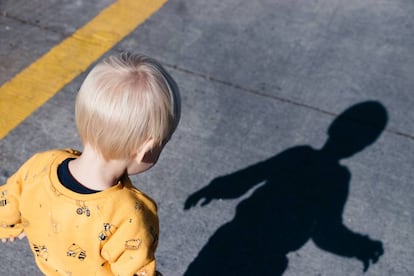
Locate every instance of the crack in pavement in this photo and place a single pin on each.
(31, 23)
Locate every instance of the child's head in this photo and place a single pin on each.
(125, 101)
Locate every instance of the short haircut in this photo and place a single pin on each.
(124, 101)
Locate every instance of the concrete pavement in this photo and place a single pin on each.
(258, 80)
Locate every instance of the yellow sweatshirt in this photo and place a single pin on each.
(112, 232)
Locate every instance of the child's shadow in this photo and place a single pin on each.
(302, 198)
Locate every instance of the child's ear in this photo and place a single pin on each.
(148, 152)
(151, 155)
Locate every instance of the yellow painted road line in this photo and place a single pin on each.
(37, 83)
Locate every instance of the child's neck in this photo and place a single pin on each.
(94, 172)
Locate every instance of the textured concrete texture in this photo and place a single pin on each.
(262, 82)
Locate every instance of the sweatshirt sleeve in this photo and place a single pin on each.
(131, 249)
(11, 224)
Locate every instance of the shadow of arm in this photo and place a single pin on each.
(230, 186)
(335, 237)
(238, 183)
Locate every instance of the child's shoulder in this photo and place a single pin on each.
(131, 204)
(144, 199)
(49, 156)
(139, 199)
(56, 152)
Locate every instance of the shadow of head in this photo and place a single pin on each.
(356, 128)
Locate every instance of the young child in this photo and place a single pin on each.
(80, 212)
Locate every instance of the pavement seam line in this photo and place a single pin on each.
(37, 83)
(282, 99)
(31, 23)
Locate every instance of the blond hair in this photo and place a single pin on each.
(125, 101)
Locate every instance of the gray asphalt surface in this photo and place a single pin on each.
(261, 83)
